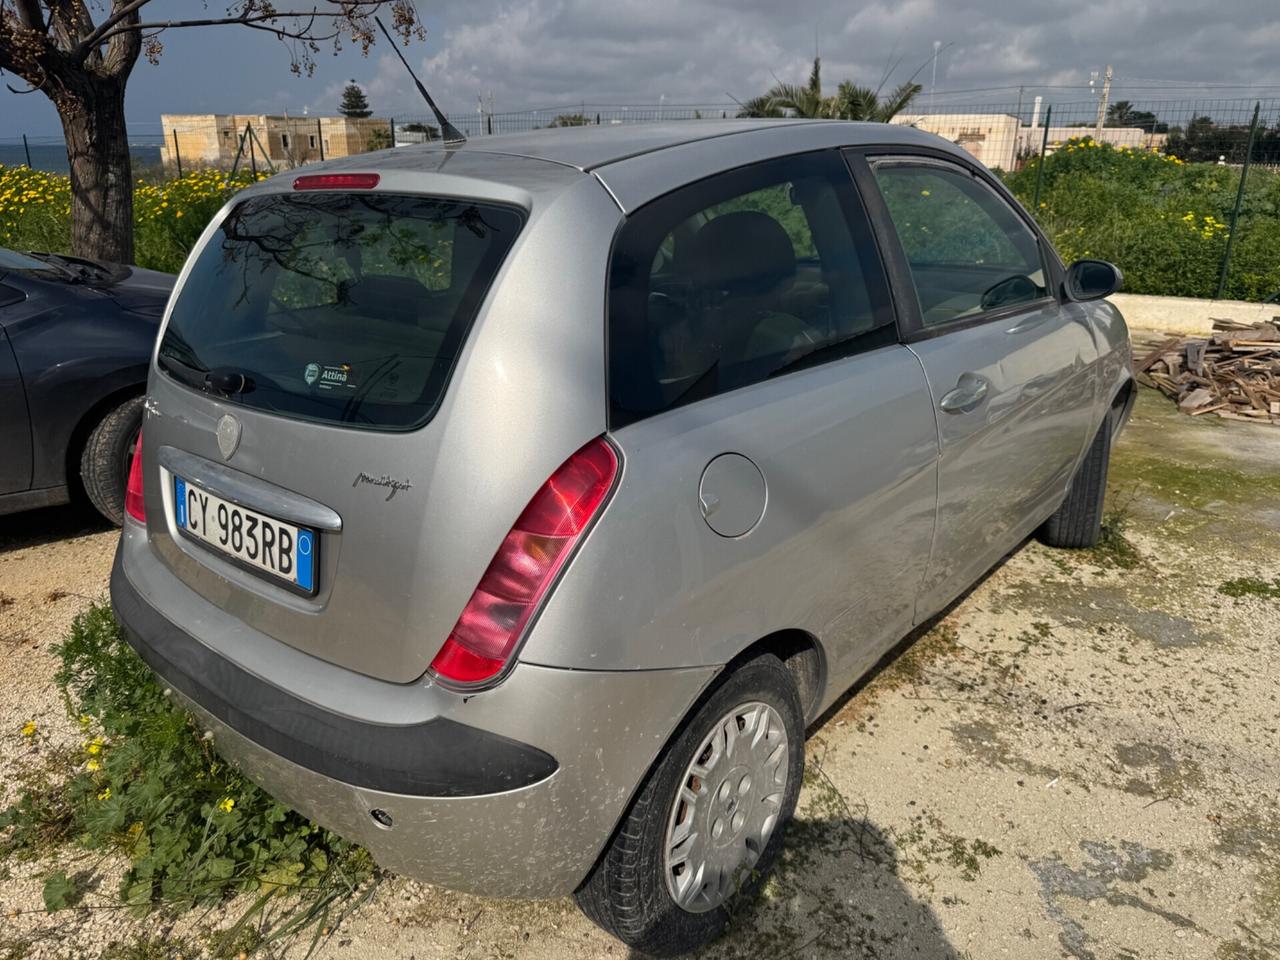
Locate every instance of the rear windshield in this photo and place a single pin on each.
(340, 307)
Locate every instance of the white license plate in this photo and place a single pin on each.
(262, 543)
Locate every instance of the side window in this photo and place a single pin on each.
(738, 278)
(969, 252)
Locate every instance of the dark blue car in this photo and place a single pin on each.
(75, 339)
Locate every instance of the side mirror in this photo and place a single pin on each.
(1092, 280)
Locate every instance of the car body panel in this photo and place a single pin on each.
(510, 843)
(402, 567)
(1005, 465)
(15, 425)
(78, 346)
(848, 451)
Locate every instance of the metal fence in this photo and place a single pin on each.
(1013, 137)
(1003, 135)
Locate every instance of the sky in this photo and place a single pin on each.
(550, 53)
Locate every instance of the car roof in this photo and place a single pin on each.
(634, 161)
(591, 146)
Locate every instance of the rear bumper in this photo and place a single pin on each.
(512, 792)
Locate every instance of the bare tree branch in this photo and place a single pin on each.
(347, 12)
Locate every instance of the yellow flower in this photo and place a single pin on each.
(85, 719)
(226, 804)
(924, 193)
(105, 794)
(93, 766)
(94, 748)
(29, 728)
(179, 213)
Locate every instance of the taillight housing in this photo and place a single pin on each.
(525, 566)
(336, 181)
(133, 502)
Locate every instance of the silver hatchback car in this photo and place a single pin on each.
(512, 508)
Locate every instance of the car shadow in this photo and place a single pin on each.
(836, 893)
(35, 528)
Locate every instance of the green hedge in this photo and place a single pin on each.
(1164, 222)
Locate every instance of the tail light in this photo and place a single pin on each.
(525, 566)
(336, 181)
(133, 504)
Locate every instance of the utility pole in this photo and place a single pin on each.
(933, 82)
(1018, 114)
(1103, 103)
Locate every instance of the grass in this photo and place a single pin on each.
(1114, 549)
(145, 786)
(1252, 587)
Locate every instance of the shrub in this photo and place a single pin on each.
(147, 785)
(169, 215)
(1165, 223)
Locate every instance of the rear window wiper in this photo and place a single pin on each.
(192, 375)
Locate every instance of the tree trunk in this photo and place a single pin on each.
(93, 124)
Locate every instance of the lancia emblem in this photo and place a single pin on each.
(228, 435)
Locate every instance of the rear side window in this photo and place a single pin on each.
(341, 307)
(968, 250)
(744, 276)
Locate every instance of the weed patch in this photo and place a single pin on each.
(1252, 587)
(1114, 549)
(146, 785)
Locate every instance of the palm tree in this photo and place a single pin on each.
(850, 102)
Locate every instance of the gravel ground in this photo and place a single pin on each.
(1080, 760)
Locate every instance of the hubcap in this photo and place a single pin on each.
(726, 808)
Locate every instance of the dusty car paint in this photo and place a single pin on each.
(847, 541)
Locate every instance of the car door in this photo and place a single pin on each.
(778, 439)
(1010, 366)
(15, 426)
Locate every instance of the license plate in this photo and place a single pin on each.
(261, 543)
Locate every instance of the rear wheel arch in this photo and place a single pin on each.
(85, 426)
(1122, 404)
(803, 656)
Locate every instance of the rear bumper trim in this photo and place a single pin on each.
(438, 758)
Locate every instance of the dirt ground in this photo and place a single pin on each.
(1080, 760)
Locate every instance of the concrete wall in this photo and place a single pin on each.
(1187, 314)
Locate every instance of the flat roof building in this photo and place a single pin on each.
(213, 139)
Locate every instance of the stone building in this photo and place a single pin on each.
(999, 140)
(213, 139)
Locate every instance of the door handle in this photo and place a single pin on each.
(969, 392)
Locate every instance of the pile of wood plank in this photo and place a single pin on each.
(1234, 373)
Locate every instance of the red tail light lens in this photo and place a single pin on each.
(336, 181)
(526, 563)
(133, 504)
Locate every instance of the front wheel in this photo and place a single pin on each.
(1078, 522)
(706, 827)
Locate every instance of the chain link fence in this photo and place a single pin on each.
(1183, 194)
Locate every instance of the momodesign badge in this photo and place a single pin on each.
(329, 376)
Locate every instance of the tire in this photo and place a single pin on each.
(1078, 522)
(628, 893)
(104, 462)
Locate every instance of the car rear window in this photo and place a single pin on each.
(341, 307)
